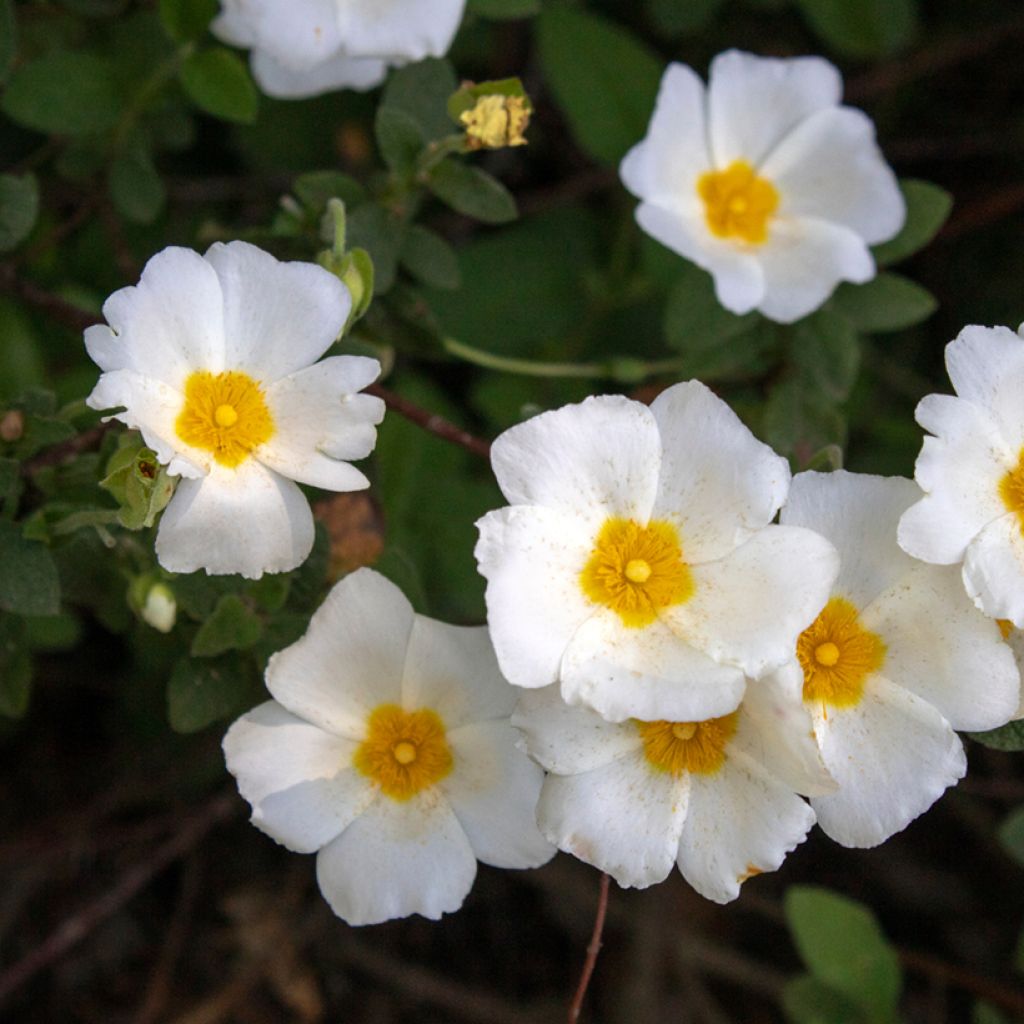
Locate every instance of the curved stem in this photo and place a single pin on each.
(593, 949)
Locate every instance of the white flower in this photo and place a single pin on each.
(716, 798)
(765, 181)
(388, 749)
(898, 659)
(636, 563)
(307, 47)
(210, 357)
(972, 472)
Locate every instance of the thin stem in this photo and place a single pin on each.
(162, 74)
(592, 950)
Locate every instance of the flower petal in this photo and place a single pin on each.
(749, 608)
(351, 658)
(718, 483)
(278, 317)
(893, 756)
(298, 778)
(624, 818)
(300, 34)
(532, 559)
(246, 520)
(408, 30)
(960, 470)
(741, 822)
(674, 153)
(646, 673)
(338, 72)
(396, 859)
(830, 168)
(993, 570)
(568, 740)
(596, 459)
(494, 790)
(754, 102)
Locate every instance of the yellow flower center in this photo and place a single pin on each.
(837, 655)
(404, 751)
(226, 414)
(636, 570)
(697, 747)
(737, 203)
(1011, 489)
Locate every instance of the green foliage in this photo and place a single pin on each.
(843, 947)
(187, 20)
(200, 693)
(889, 302)
(8, 38)
(502, 9)
(136, 188)
(607, 97)
(399, 137)
(429, 258)
(863, 28)
(473, 192)
(1006, 737)
(19, 207)
(1011, 835)
(421, 91)
(928, 208)
(29, 584)
(825, 351)
(672, 18)
(807, 1000)
(232, 626)
(138, 483)
(218, 82)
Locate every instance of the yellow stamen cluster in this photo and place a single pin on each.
(1011, 489)
(637, 570)
(737, 203)
(696, 747)
(496, 121)
(404, 751)
(837, 654)
(225, 414)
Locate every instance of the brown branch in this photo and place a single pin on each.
(1008, 998)
(592, 950)
(46, 302)
(430, 422)
(87, 441)
(74, 929)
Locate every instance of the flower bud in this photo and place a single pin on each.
(160, 610)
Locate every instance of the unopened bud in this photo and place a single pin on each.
(160, 610)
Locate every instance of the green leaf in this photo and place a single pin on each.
(21, 358)
(889, 302)
(1006, 737)
(1011, 835)
(473, 192)
(19, 207)
(15, 684)
(380, 233)
(799, 420)
(421, 90)
(672, 18)
(399, 138)
(63, 94)
(200, 693)
(316, 188)
(136, 187)
(218, 82)
(185, 20)
(10, 486)
(863, 28)
(843, 946)
(499, 10)
(233, 626)
(28, 576)
(603, 77)
(825, 350)
(428, 257)
(694, 318)
(138, 483)
(8, 38)
(928, 208)
(806, 1000)
(986, 1013)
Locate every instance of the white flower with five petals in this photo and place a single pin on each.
(388, 751)
(213, 359)
(764, 180)
(637, 564)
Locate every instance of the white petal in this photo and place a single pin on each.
(777, 731)
(246, 520)
(754, 102)
(171, 323)
(236, 24)
(453, 670)
(893, 756)
(532, 559)
(986, 366)
(993, 570)
(741, 822)
(405, 29)
(803, 260)
(749, 608)
(739, 277)
(858, 513)
(300, 34)
(596, 459)
(960, 470)
(939, 646)
(718, 483)
(398, 858)
(674, 153)
(646, 673)
(298, 778)
(319, 419)
(830, 168)
(568, 740)
(337, 72)
(624, 818)
(351, 658)
(493, 790)
(278, 317)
